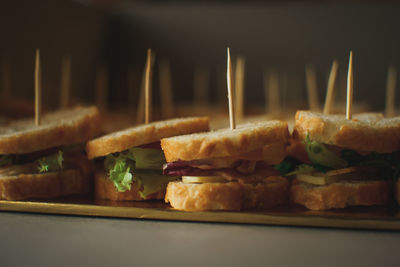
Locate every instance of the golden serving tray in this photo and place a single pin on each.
(382, 218)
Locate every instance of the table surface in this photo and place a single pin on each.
(54, 240)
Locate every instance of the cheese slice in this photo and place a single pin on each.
(316, 179)
(319, 178)
(203, 179)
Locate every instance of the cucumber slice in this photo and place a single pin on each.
(203, 179)
(319, 178)
(316, 179)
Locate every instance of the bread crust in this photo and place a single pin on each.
(274, 191)
(365, 132)
(61, 128)
(227, 196)
(19, 182)
(144, 134)
(225, 142)
(340, 195)
(105, 189)
(45, 186)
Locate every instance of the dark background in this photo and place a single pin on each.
(273, 35)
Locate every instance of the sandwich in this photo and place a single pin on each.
(348, 162)
(227, 169)
(130, 161)
(48, 160)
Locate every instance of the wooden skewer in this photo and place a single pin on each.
(349, 99)
(101, 87)
(38, 88)
(65, 82)
(166, 89)
(311, 82)
(330, 88)
(271, 89)
(239, 87)
(201, 80)
(232, 121)
(147, 88)
(391, 91)
(6, 82)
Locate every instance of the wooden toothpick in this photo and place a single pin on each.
(166, 89)
(147, 88)
(230, 92)
(101, 87)
(349, 98)
(6, 82)
(311, 81)
(391, 91)
(38, 88)
(330, 89)
(271, 89)
(65, 82)
(239, 87)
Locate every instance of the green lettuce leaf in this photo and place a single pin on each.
(323, 160)
(387, 163)
(287, 165)
(53, 162)
(119, 171)
(147, 158)
(6, 160)
(140, 165)
(151, 182)
(320, 155)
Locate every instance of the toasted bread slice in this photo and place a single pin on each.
(105, 189)
(144, 134)
(21, 185)
(227, 196)
(224, 142)
(365, 132)
(340, 194)
(61, 128)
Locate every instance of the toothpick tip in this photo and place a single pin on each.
(230, 93)
(349, 98)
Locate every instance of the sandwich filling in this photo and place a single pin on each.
(328, 164)
(142, 165)
(51, 160)
(251, 167)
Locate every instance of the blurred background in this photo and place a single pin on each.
(191, 36)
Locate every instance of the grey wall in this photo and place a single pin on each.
(282, 36)
(58, 28)
(272, 35)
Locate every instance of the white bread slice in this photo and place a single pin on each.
(365, 132)
(341, 194)
(61, 128)
(144, 134)
(273, 191)
(17, 185)
(105, 189)
(225, 142)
